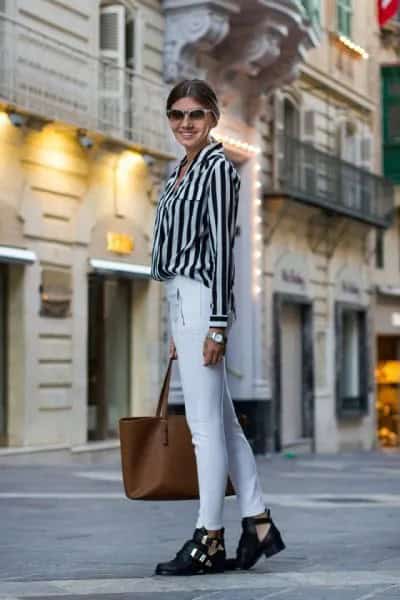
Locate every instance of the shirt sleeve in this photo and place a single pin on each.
(222, 210)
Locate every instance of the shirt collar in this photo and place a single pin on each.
(210, 150)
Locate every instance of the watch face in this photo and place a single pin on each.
(219, 337)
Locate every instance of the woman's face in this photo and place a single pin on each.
(191, 133)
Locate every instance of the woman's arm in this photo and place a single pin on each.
(222, 211)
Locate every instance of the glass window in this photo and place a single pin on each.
(351, 361)
(380, 249)
(344, 17)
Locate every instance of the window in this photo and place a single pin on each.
(380, 249)
(391, 122)
(351, 361)
(344, 17)
(313, 10)
(291, 119)
(117, 100)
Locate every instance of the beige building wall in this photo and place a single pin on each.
(65, 199)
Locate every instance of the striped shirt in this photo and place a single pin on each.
(194, 228)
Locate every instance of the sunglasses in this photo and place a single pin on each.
(196, 114)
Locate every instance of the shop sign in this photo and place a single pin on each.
(120, 243)
(350, 288)
(291, 276)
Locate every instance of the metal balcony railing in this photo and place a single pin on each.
(42, 76)
(320, 179)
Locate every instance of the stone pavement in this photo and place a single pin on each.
(68, 533)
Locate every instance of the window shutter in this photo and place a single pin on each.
(366, 152)
(112, 74)
(391, 122)
(309, 126)
(112, 33)
(344, 16)
(279, 139)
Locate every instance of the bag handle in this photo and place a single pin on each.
(162, 406)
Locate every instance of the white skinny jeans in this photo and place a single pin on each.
(219, 442)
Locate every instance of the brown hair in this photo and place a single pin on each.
(199, 90)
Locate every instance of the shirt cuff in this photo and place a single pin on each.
(218, 321)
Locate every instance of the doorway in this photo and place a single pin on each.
(3, 348)
(109, 355)
(293, 373)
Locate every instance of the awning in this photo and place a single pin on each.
(120, 268)
(10, 254)
(388, 290)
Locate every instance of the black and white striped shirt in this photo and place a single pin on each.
(194, 228)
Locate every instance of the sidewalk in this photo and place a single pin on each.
(68, 532)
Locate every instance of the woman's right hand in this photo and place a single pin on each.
(172, 349)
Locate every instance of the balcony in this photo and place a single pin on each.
(51, 80)
(265, 40)
(312, 177)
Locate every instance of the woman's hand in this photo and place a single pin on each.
(213, 352)
(172, 349)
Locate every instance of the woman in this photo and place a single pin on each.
(194, 234)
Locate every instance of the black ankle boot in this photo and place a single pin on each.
(202, 554)
(250, 548)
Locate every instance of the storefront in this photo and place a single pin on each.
(293, 363)
(387, 371)
(119, 271)
(13, 259)
(353, 373)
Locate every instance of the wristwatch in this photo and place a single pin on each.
(217, 337)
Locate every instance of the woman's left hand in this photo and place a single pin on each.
(213, 352)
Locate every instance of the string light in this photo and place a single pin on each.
(231, 141)
(354, 47)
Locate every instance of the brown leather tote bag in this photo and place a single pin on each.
(157, 455)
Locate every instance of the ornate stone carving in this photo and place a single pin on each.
(191, 27)
(250, 49)
(261, 39)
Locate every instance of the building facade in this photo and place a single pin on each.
(84, 146)
(325, 202)
(306, 141)
(387, 254)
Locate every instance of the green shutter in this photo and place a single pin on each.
(313, 10)
(344, 17)
(391, 122)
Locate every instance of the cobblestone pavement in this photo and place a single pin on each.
(68, 533)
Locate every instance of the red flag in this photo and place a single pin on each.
(386, 10)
